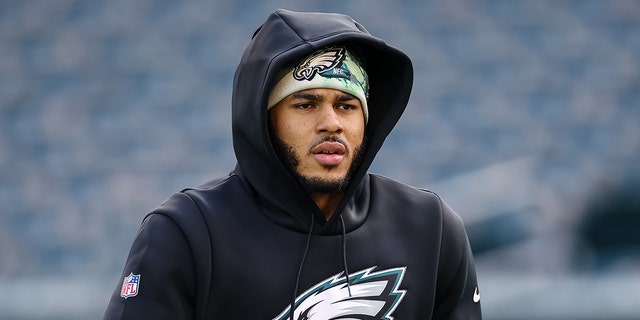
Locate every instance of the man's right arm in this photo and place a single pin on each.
(158, 281)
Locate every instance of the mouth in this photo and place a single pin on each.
(329, 153)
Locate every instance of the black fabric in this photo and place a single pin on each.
(231, 249)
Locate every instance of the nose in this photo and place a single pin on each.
(329, 120)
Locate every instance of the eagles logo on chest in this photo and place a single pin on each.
(374, 295)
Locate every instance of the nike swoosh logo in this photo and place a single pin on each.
(476, 296)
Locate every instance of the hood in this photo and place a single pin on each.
(284, 38)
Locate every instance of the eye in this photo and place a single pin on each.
(304, 106)
(347, 107)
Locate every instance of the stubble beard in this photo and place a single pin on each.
(312, 184)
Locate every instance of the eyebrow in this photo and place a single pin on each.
(306, 96)
(316, 97)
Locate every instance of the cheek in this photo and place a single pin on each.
(291, 134)
(357, 135)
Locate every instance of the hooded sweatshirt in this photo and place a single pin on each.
(254, 245)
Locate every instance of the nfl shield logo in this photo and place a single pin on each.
(130, 286)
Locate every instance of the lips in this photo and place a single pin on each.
(329, 153)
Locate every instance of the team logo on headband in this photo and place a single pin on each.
(321, 62)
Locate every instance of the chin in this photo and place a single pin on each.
(322, 184)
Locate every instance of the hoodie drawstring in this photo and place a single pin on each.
(304, 256)
(344, 255)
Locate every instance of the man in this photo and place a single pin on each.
(300, 229)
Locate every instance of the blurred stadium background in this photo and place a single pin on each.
(525, 117)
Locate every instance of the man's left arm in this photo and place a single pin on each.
(457, 292)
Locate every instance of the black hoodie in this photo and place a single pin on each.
(253, 244)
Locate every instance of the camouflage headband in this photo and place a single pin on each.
(332, 68)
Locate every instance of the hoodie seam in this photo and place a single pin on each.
(459, 257)
(308, 41)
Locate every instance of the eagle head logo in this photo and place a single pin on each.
(374, 295)
(320, 62)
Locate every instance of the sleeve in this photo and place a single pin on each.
(158, 278)
(457, 292)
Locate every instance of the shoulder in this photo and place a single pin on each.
(390, 189)
(418, 201)
(386, 184)
(187, 208)
(190, 200)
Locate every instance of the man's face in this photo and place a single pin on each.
(319, 136)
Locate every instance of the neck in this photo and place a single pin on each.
(327, 202)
